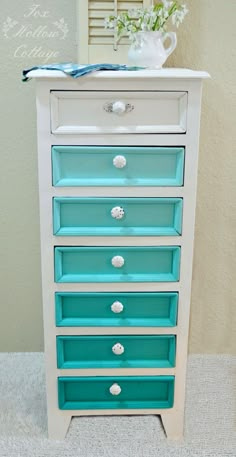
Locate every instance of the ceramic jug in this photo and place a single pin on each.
(148, 50)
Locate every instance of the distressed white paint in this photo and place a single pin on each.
(118, 371)
(170, 73)
(165, 80)
(116, 331)
(76, 112)
(122, 287)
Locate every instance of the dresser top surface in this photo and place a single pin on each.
(164, 73)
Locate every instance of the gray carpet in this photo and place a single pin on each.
(210, 416)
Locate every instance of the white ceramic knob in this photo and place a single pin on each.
(118, 349)
(117, 212)
(117, 307)
(115, 389)
(119, 161)
(118, 261)
(119, 107)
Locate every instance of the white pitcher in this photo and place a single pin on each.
(148, 49)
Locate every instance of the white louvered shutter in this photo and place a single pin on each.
(95, 43)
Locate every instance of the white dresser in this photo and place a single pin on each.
(117, 158)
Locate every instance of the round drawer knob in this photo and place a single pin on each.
(115, 389)
(117, 307)
(117, 212)
(118, 349)
(119, 107)
(118, 261)
(119, 161)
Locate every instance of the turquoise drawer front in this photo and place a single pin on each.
(116, 351)
(116, 392)
(117, 216)
(127, 309)
(140, 166)
(117, 264)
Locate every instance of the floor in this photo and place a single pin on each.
(210, 429)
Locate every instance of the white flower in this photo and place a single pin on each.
(139, 12)
(164, 14)
(109, 22)
(167, 4)
(151, 13)
(143, 25)
(184, 9)
(176, 19)
(179, 15)
(131, 28)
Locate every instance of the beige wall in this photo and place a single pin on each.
(206, 42)
(20, 300)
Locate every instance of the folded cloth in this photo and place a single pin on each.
(76, 70)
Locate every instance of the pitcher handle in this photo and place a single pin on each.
(173, 44)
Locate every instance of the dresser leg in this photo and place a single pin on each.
(58, 425)
(173, 424)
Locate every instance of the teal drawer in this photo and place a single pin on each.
(93, 166)
(104, 264)
(117, 216)
(116, 351)
(126, 309)
(116, 392)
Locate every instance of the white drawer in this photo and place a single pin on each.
(88, 112)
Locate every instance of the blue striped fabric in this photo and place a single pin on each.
(76, 70)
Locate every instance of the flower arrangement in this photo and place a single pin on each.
(153, 18)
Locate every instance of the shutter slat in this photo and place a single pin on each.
(98, 40)
(109, 5)
(98, 14)
(99, 22)
(129, 5)
(95, 32)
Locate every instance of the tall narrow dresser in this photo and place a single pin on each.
(117, 163)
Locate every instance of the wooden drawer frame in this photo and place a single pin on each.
(80, 108)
